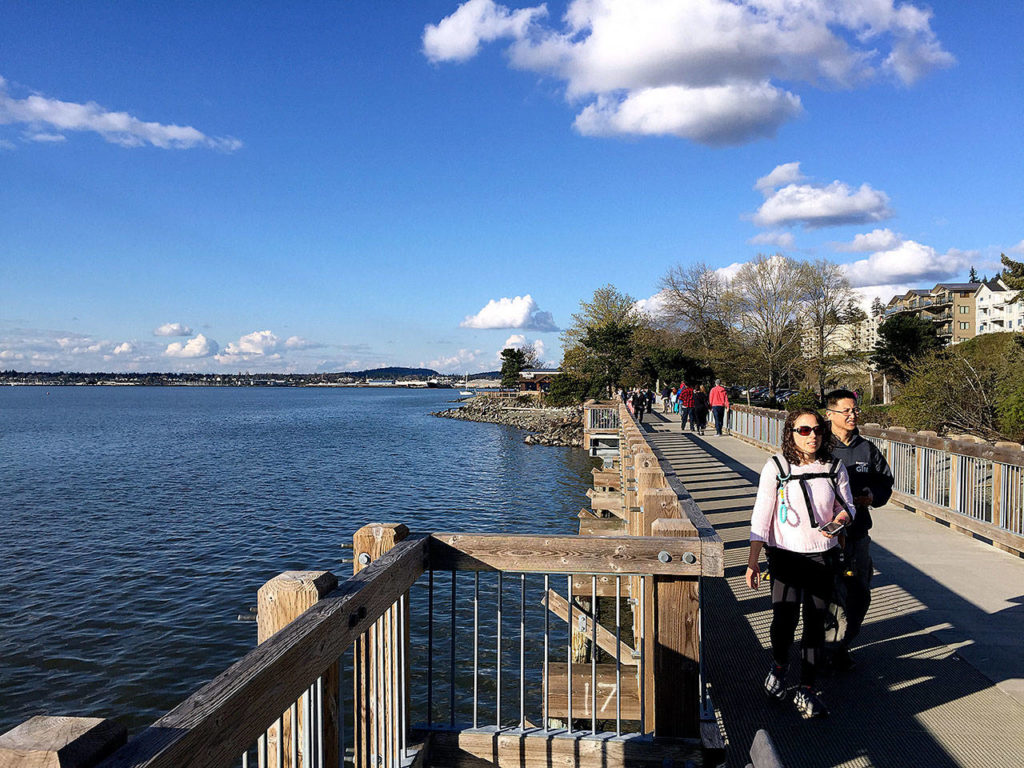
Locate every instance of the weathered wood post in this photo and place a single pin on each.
(673, 643)
(280, 601)
(379, 708)
(60, 742)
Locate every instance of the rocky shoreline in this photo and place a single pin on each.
(546, 426)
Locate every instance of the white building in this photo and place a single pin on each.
(994, 310)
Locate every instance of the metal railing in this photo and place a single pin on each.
(969, 481)
(602, 419)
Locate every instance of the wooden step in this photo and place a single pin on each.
(582, 692)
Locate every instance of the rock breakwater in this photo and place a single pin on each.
(546, 426)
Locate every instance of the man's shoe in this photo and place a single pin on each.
(808, 703)
(775, 683)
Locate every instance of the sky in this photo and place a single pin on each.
(325, 186)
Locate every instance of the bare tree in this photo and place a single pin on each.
(696, 301)
(768, 292)
(827, 299)
(531, 360)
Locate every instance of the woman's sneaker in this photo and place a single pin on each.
(808, 703)
(775, 683)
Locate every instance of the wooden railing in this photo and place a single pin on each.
(972, 486)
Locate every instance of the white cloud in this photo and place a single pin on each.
(815, 205)
(775, 237)
(200, 346)
(456, 363)
(43, 137)
(172, 329)
(47, 117)
(653, 306)
(258, 345)
(781, 175)
(10, 355)
(297, 342)
(707, 71)
(124, 348)
(714, 115)
(519, 312)
(1018, 248)
(729, 272)
(458, 37)
(876, 240)
(910, 263)
(514, 341)
(518, 341)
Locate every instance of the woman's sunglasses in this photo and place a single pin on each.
(805, 430)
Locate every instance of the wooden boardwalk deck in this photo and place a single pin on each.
(940, 668)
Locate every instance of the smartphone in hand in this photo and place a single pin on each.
(833, 528)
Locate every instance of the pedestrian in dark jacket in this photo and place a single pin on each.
(639, 403)
(700, 409)
(871, 483)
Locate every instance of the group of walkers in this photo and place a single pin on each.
(811, 519)
(694, 405)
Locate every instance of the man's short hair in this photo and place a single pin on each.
(833, 397)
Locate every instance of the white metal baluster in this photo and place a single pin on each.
(640, 646)
(451, 657)
(618, 656)
(568, 653)
(546, 627)
(593, 655)
(497, 663)
(295, 733)
(476, 647)
(522, 651)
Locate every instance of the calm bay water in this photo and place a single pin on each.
(137, 523)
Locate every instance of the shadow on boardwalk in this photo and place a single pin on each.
(911, 701)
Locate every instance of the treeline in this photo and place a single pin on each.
(776, 322)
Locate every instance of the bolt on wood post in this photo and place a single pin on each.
(673, 647)
(381, 656)
(61, 742)
(280, 601)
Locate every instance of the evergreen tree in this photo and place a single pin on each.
(1013, 275)
(973, 277)
(877, 307)
(902, 339)
(512, 362)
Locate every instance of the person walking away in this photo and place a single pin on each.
(801, 490)
(871, 481)
(649, 394)
(700, 408)
(719, 400)
(666, 393)
(639, 403)
(685, 405)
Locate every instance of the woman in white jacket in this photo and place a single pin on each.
(801, 490)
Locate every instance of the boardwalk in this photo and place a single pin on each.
(940, 667)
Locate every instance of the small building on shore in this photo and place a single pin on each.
(537, 380)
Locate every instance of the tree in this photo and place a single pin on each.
(695, 299)
(973, 276)
(1013, 276)
(599, 345)
(513, 360)
(852, 313)
(828, 304)
(902, 339)
(531, 360)
(877, 307)
(768, 292)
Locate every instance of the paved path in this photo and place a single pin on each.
(940, 661)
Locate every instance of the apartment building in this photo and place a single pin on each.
(951, 306)
(995, 310)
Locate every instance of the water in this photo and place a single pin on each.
(139, 522)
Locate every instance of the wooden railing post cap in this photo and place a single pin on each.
(64, 742)
(376, 530)
(320, 582)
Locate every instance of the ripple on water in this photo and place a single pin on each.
(141, 521)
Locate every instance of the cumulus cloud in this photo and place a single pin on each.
(518, 341)
(713, 115)
(707, 71)
(297, 342)
(258, 345)
(40, 349)
(909, 263)
(775, 237)
(453, 363)
(458, 37)
(781, 175)
(876, 240)
(124, 348)
(519, 312)
(653, 306)
(200, 346)
(172, 329)
(817, 205)
(47, 120)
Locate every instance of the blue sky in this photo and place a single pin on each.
(330, 186)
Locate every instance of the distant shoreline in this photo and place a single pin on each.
(329, 380)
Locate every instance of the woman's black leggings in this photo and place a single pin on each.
(799, 579)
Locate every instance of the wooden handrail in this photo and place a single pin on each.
(565, 554)
(223, 718)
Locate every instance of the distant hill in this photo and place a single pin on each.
(394, 372)
(486, 375)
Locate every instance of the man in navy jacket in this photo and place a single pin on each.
(871, 484)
